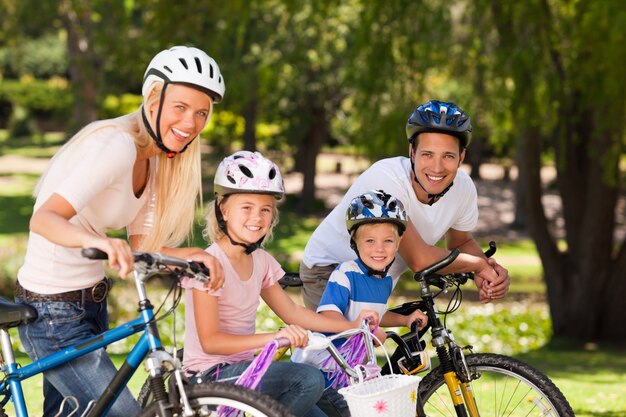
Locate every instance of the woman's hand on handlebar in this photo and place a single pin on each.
(119, 252)
(216, 272)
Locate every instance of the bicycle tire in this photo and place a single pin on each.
(205, 398)
(506, 387)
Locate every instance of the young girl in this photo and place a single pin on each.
(375, 221)
(220, 337)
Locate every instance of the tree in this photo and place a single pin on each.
(567, 63)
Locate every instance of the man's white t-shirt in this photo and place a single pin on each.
(457, 209)
(96, 177)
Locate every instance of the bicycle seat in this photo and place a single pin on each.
(13, 314)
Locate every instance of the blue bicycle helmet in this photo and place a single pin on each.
(441, 117)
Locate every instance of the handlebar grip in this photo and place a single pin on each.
(94, 253)
(437, 266)
(197, 267)
(492, 249)
(283, 342)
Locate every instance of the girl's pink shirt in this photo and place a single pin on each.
(237, 304)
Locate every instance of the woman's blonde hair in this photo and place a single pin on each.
(212, 231)
(178, 181)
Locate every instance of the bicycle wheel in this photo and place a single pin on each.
(205, 399)
(505, 387)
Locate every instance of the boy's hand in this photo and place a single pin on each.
(417, 316)
(381, 334)
(370, 315)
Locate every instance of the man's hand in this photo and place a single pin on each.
(490, 287)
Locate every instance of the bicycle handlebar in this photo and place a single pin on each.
(192, 269)
(430, 276)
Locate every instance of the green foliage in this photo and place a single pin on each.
(43, 57)
(118, 105)
(37, 97)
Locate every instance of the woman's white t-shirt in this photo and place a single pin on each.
(96, 177)
(457, 209)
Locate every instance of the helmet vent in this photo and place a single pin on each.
(231, 179)
(366, 202)
(246, 171)
(211, 71)
(198, 64)
(169, 69)
(182, 61)
(272, 174)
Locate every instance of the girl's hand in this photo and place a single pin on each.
(216, 272)
(298, 337)
(417, 316)
(118, 250)
(370, 315)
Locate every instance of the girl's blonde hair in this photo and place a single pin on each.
(212, 231)
(178, 181)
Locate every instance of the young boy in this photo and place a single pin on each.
(375, 221)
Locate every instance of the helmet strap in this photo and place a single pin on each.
(157, 136)
(248, 248)
(432, 198)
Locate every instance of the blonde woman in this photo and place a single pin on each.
(140, 171)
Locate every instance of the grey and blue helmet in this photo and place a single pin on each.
(375, 206)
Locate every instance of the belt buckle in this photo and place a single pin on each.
(96, 287)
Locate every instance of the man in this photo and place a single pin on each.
(440, 200)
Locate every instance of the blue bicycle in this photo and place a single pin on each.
(177, 399)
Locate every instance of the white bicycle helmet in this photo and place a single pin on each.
(375, 206)
(185, 65)
(248, 172)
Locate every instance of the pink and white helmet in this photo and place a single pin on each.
(248, 172)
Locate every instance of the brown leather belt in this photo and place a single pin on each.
(94, 294)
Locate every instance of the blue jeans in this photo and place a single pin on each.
(297, 386)
(333, 404)
(61, 324)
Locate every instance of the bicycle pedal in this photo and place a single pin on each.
(419, 362)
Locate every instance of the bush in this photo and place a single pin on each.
(31, 99)
(115, 106)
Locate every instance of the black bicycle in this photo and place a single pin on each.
(466, 383)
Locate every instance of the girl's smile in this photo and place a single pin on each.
(248, 216)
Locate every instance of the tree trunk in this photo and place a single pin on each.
(519, 221)
(310, 149)
(84, 66)
(585, 285)
(474, 156)
(250, 116)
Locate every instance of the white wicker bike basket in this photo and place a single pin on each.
(387, 395)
